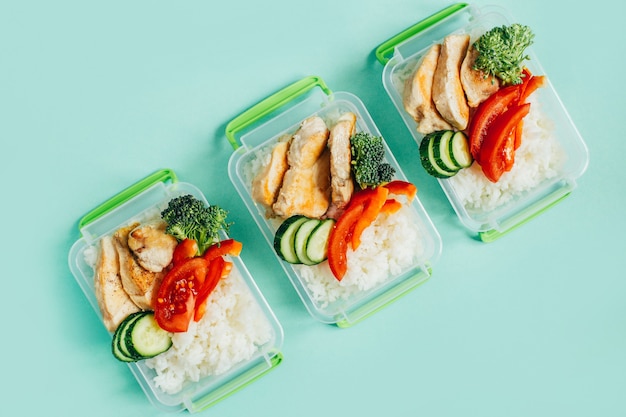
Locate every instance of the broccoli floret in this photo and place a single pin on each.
(189, 218)
(368, 167)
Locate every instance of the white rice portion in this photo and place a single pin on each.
(230, 332)
(390, 245)
(540, 157)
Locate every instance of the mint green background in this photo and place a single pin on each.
(94, 96)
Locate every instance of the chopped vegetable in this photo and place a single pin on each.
(189, 218)
(139, 337)
(303, 240)
(443, 153)
(501, 52)
(368, 153)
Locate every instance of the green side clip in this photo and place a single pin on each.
(271, 103)
(163, 175)
(385, 50)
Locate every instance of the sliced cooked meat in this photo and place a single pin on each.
(306, 184)
(418, 98)
(113, 301)
(267, 182)
(139, 283)
(152, 247)
(341, 183)
(476, 84)
(448, 93)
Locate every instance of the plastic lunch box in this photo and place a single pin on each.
(401, 53)
(281, 113)
(153, 191)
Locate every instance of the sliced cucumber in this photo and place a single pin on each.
(317, 244)
(441, 152)
(145, 339)
(119, 348)
(139, 337)
(458, 149)
(285, 237)
(301, 240)
(427, 157)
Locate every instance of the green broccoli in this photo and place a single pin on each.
(501, 52)
(189, 218)
(368, 167)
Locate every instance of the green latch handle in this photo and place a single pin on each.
(272, 103)
(385, 50)
(162, 175)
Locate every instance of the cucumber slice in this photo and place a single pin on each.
(441, 152)
(317, 244)
(458, 149)
(118, 345)
(427, 157)
(145, 339)
(285, 237)
(301, 240)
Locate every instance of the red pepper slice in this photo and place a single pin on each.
(218, 269)
(486, 113)
(391, 206)
(400, 187)
(339, 238)
(371, 209)
(185, 249)
(176, 296)
(498, 147)
(224, 247)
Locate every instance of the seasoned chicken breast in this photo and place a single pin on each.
(268, 181)
(341, 183)
(152, 247)
(114, 303)
(306, 184)
(418, 98)
(448, 93)
(139, 283)
(476, 84)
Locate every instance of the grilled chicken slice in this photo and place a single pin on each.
(418, 98)
(139, 283)
(448, 93)
(152, 247)
(341, 183)
(266, 184)
(114, 303)
(476, 84)
(306, 185)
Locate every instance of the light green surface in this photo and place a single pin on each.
(95, 97)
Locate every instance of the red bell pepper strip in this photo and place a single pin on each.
(176, 296)
(371, 209)
(224, 247)
(339, 237)
(218, 269)
(188, 248)
(486, 113)
(498, 147)
(391, 206)
(400, 187)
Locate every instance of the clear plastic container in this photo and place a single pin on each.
(135, 203)
(400, 56)
(260, 127)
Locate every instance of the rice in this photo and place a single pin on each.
(389, 246)
(539, 158)
(230, 332)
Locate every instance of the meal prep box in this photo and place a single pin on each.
(401, 55)
(261, 126)
(146, 196)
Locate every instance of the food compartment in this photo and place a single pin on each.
(552, 155)
(238, 339)
(387, 272)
